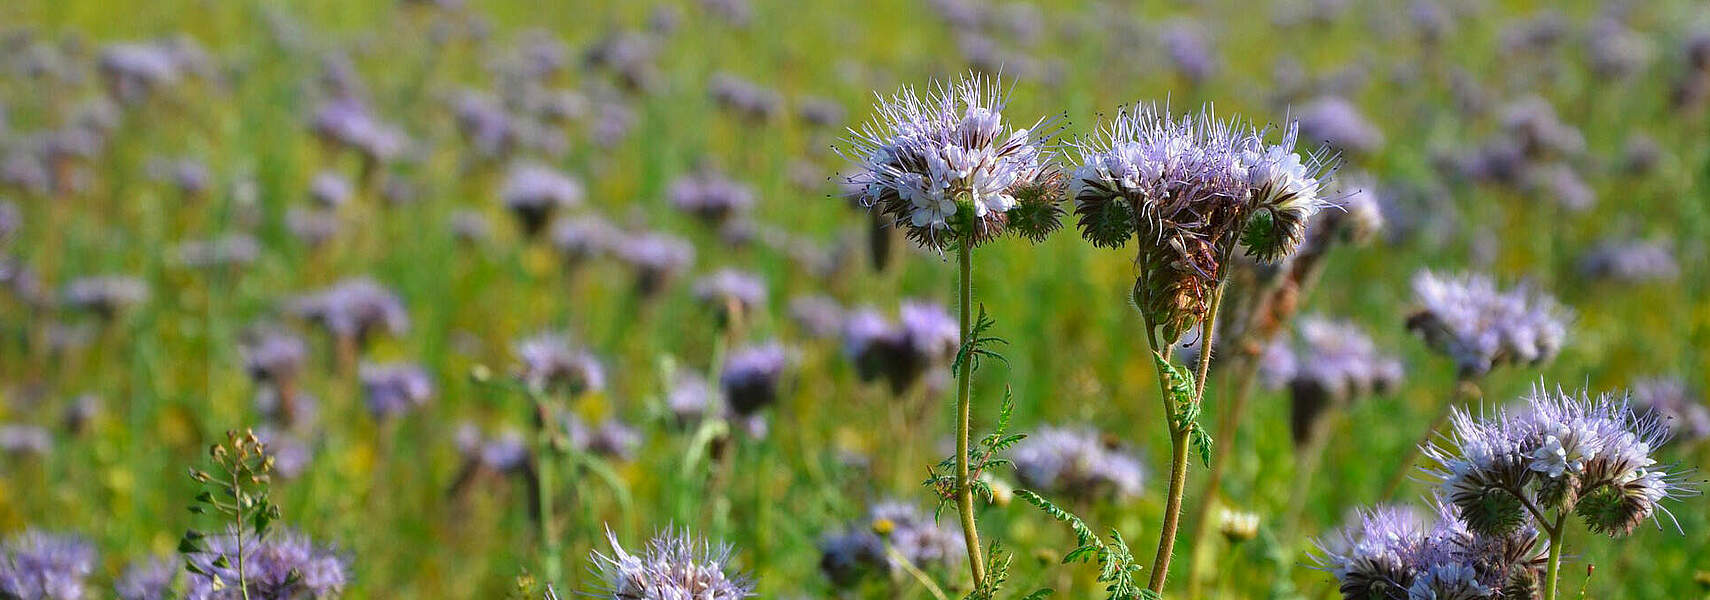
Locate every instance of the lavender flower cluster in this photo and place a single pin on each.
(1393, 553)
(1469, 320)
(1079, 463)
(673, 565)
(860, 551)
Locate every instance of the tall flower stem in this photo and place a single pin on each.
(964, 386)
(1178, 442)
(1466, 388)
(1553, 571)
(545, 463)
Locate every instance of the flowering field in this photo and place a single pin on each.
(714, 299)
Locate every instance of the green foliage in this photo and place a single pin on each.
(982, 456)
(1116, 566)
(976, 346)
(237, 492)
(1185, 407)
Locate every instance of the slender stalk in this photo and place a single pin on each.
(237, 532)
(1178, 470)
(964, 373)
(1553, 571)
(1465, 389)
(543, 490)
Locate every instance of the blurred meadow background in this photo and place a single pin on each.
(311, 218)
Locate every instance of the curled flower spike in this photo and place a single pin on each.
(947, 168)
(1190, 190)
(1468, 319)
(672, 566)
(1393, 553)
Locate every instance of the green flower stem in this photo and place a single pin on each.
(964, 373)
(544, 465)
(1553, 571)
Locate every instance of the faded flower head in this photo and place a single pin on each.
(673, 566)
(1480, 327)
(1077, 462)
(945, 168)
(394, 389)
(36, 565)
(550, 362)
(285, 564)
(1590, 456)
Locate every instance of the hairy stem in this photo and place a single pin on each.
(243, 578)
(1178, 468)
(1553, 571)
(964, 376)
(1244, 376)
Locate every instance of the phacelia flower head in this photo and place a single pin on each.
(1561, 451)
(1480, 327)
(1339, 364)
(1338, 123)
(610, 439)
(732, 293)
(1393, 553)
(35, 565)
(393, 389)
(858, 552)
(274, 357)
(231, 250)
(924, 336)
(1077, 462)
(148, 579)
(285, 564)
(1633, 261)
(354, 309)
(710, 196)
(330, 189)
(534, 192)
(1191, 190)
(551, 362)
(105, 295)
(673, 566)
(656, 258)
(752, 375)
(947, 168)
(583, 237)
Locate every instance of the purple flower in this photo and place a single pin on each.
(745, 98)
(132, 71)
(1077, 462)
(584, 237)
(944, 166)
(330, 190)
(148, 579)
(818, 317)
(274, 357)
(925, 336)
(656, 258)
(484, 124)
(732, 291)
(534, 192)
(751, 377)
(1588, 456)
(1480, 327)
(673, 565)
(25, 440)
(1189, 51)
(711, 196)
(36, 565)
(859, 551)
(1338, 365)
(285, 564)
(106, 295)
(550, 362)
(1336, 122)
(347, 122)
(354, 309)
(189, 175)
(1633, 261)
(610, 439)
(1681, 408)
(313, 227)
(393, 389)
